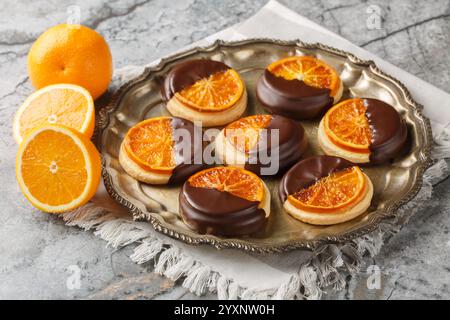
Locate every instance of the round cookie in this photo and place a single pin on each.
(287, 88)
(205, 90)
(263, 144)
(211, 206)
(162, 150)
(310, 188)
(363, 131)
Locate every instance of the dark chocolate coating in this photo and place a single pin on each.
(292, 98)
(307, 172)
(389, 131)
(292, 144)
(209, 211)
(186, 73)
(185, 166)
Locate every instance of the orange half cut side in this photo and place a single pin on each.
(58, 169)
(237, 181)
(61, 104)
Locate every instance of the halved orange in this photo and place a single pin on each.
(244, 133)
(150, 144)
(218, 92)
(347, 126)
(237, 181)
(332, 193)
(312, 71)
(57, 168)
(63, 104)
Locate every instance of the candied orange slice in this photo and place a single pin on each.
(244, 133)
(347, 126)
(332, 193)
(150, 144)
(237, 181)
(312, 71)
(218, 92)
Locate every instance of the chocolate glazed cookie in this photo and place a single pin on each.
(178, 150)
(365, 131)
(292, 98)
(325, 190)
(187, 73)
(264, 144)
(308, 171)
(226, 201)
(194, 90)
(210, 211)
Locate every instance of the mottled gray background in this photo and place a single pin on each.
(36, 248)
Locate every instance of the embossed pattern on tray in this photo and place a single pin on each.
(395, 184)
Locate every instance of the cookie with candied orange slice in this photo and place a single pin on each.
(226, 201)
(325, 190)
(57, 168)
(162, 150)
(205, 90)
(264, 144)
(363, 130)
(299, 87)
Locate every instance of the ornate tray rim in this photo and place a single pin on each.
(377, 216)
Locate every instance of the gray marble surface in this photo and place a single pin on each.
(38, 253)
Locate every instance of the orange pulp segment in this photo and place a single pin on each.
(237, 181)
(332, 193)
(347, 126)
(312, 71)
(218, 92)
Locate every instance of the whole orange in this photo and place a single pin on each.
(69, 53)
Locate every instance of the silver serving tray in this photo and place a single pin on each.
(140, 98)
